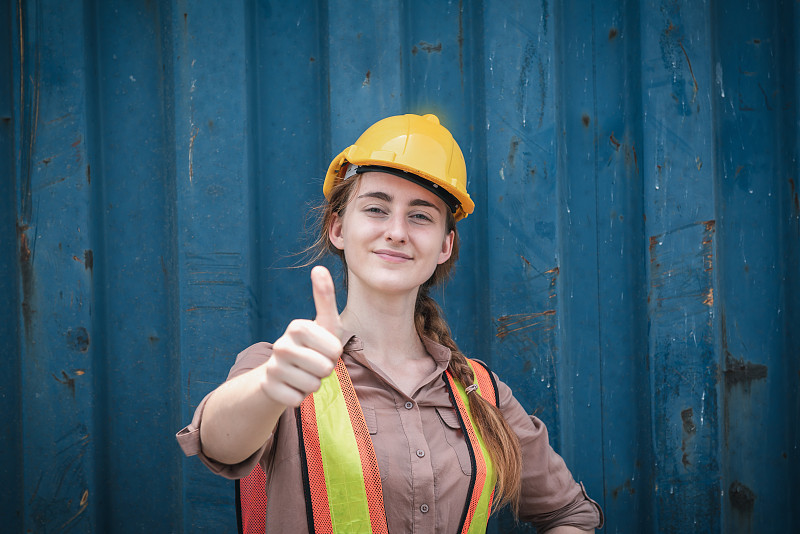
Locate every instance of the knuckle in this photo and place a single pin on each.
(297, 326)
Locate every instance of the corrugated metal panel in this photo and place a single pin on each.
(632, 269)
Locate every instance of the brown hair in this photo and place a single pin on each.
(501, 442)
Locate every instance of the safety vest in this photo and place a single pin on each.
(341, 480)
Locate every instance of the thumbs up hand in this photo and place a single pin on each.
(308, 350)
(325, 301)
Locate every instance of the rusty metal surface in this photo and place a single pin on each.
(631, 270)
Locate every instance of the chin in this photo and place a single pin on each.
(393, 282)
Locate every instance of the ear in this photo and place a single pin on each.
(335, 232)
(447, 247)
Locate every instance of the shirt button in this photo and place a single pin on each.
(420, 453)
(424, 508)
(409, 405)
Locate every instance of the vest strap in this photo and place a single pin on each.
(342, 481)
(483, 479)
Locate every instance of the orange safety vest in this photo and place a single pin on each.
(341, 479)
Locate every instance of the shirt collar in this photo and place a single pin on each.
(440, 354)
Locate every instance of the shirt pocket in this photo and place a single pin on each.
(371, 419)
(455, 437)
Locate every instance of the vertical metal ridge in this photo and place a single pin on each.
(473, 19)
(11, 477)
(165, 30)
(324, 84)
(600, 323)
(101, 507)
(789, 240)
(253, 60)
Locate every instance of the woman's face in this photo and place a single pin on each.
(393, 234)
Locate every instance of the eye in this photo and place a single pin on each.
(421, 217)
(374, 210)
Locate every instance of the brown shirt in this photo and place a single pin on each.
(422, 456)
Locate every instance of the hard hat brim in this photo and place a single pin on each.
(337, 168)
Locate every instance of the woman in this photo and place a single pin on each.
(372, 419)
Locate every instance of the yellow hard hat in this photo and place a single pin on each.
(415, 147)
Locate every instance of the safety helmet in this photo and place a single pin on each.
(415, 147)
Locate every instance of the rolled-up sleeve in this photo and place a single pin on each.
(550, 497)
(189, 436)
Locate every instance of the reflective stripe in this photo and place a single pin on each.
(344, 486)
(342, 482)
(484, 477)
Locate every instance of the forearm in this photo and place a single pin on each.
(238, 418)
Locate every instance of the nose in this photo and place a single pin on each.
(396, 229)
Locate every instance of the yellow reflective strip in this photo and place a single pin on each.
(481, 516)
(347, 497)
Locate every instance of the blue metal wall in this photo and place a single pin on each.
(631, 269)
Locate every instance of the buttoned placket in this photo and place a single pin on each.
(423, 520)
(422, 474)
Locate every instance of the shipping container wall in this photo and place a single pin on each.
(632, 269)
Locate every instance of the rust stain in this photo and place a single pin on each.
(195, 131)
(635, 158)
(89, 174)
(512, 150)
(742, 498)
(554, 271)
(614, 142)
(521, 321)
(366, 79)
(740, 372)
(88, 259)
(78, 339)
(76, 145)
(427, 47)
(766, 99)
(585, 120)
(794, 197)
(24, 248)
(653, 243)
(526, 261)
(612, 34)
(26, 257)
(689, 429)
(67, 381)
(689, 63)
(627, 486)
(708, 256)
(83, 505)
(709, 300)
(688, 424)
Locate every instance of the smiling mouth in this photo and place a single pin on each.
(393, 254)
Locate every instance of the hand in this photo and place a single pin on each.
(308, 350)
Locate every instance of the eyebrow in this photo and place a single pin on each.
(380, 195)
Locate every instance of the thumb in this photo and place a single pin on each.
(325, 301)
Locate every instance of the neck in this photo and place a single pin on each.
(385, 323)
